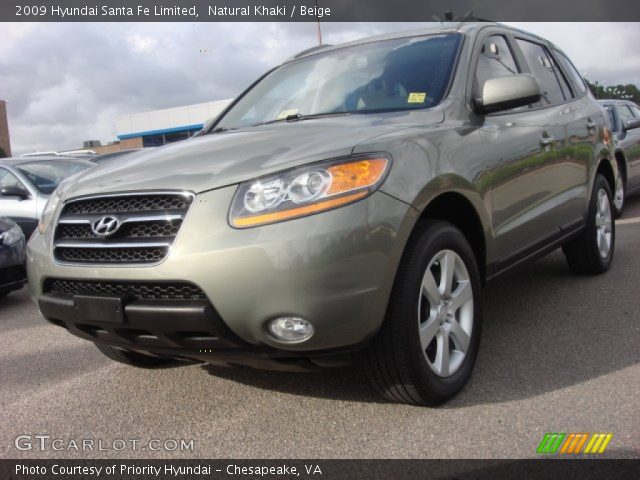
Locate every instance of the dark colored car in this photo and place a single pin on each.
(349, 205)
(625, 122)
(13, 274)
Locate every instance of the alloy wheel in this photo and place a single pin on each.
(445, 313)
(603, 223)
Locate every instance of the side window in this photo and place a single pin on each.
(576, 79)
(495, 60)
(564, 84)
(545, 70)
(635, 110)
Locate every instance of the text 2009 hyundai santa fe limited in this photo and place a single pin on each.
(348, 206)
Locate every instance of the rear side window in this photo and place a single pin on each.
(575, 77)
(495, 60)
(552, 83)
(635, 110)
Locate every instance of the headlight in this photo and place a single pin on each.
(49, 210)
(306, 190)
(11, 236)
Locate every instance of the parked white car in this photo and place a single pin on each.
(27, 182)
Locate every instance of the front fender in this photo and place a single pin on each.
(423, 169)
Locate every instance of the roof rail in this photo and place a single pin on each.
(467, 17)
(308, 50)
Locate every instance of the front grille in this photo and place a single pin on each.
(147, 225)
(132, 290)
(112, 255)
(129, 203)
(132, 230)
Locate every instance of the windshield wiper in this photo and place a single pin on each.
(218, 130)
(297, 117)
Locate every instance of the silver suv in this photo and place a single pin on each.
(625, 124)
(349, 205)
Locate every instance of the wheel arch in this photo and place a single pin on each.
(608, 169)
(459, 208)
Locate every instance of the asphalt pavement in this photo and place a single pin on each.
(559, 353)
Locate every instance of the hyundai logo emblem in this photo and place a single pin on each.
(105, 226)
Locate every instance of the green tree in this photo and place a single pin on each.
(617, 92)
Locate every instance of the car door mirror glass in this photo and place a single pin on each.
(505, 93)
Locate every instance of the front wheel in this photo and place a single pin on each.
(427, 345)
(592, 251)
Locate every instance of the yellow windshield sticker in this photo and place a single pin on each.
(285, 113)
(416, 97)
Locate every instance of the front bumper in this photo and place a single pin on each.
(335, 269)
(189, 329)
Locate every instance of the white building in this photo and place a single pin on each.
(151, 129)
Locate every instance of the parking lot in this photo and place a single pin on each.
(559, 354)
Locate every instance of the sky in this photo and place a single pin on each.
(67, 82)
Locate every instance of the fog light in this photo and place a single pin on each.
(290, 329)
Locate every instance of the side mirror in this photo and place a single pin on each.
(631, 124)
(504, 93)
(14, 192)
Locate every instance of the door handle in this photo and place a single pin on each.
(547, 140)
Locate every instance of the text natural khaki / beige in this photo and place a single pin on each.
(262, 11)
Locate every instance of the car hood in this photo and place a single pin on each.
(220, 159)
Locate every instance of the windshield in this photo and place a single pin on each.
(46, 176)
(400, 74)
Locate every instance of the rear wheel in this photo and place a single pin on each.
(592, 251)
(427, 345)
(134, 359)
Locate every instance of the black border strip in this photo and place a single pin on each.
(531, 469)
(329, 10)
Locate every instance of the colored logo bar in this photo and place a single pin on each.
(574, 443)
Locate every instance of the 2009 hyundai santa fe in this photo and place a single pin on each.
(348, 206)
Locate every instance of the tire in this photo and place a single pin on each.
(584, 254)
(399, 365)
(619, 196)
(134, 359)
